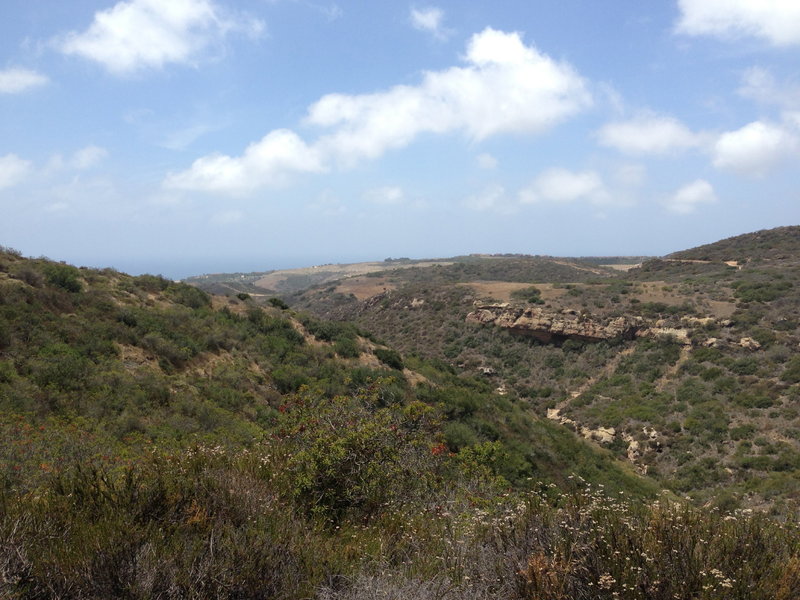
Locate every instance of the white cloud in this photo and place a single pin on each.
(760, 85)
(140, 34)
(486, 161)
(649, 133)
(429, 19)
(385, 195)
(792, 118)
(15, 80)
(81, 160)
(562, 186)
(505, 88)
(267, 162)
(13, 170)
(776, 21)
(687, 199)
(755, 149)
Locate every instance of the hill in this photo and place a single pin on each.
(512, 266)
(702, 399)
(781, 243)
(161, 442)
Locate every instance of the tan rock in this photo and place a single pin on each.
(698, 321)
(749, 343)
(680, 335)
(547, 326)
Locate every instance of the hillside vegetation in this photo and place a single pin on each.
(158, 442)
(706, 404)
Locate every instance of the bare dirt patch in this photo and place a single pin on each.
(653, 291)
(133, 357)
(501, 290)
(721, 309)
(595, 270)
(364, 288)
(235, 306)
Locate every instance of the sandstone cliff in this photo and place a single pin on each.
(553, 326)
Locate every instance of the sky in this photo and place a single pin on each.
(195, 136)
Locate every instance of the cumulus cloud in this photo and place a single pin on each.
(689, 197)
(649, 133)
(429, 19)
(562, 186)
(505, 87)
(16, 80)
(755, 149)
(385, 195)
(13, 170)
(140, 34)
(776, 21)
(267, 162)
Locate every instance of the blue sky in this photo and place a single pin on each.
(196, 136)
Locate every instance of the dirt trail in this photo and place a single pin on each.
(730, 263)
(686, 352)
(584, 387)
(594, 270)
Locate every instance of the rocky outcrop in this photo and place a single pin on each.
(554, 326)
(749, 343)
(681, 336)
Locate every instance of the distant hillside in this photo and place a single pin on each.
(706, 404)
(512, 267)
(780, 243)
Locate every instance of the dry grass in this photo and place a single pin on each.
(364, 288)
(501, 290)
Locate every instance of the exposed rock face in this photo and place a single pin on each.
(749, 343)
(552, 326)
(679, 335)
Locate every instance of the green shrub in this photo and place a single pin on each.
(792, 372)
(277, 303)
(152, 283)
(760, 291)
(531, 295)
(188, 295)
(391, 358)
(347, 348)
(63, 276)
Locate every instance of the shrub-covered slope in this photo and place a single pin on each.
(161, 443)
(706, 404)
(780, 243)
